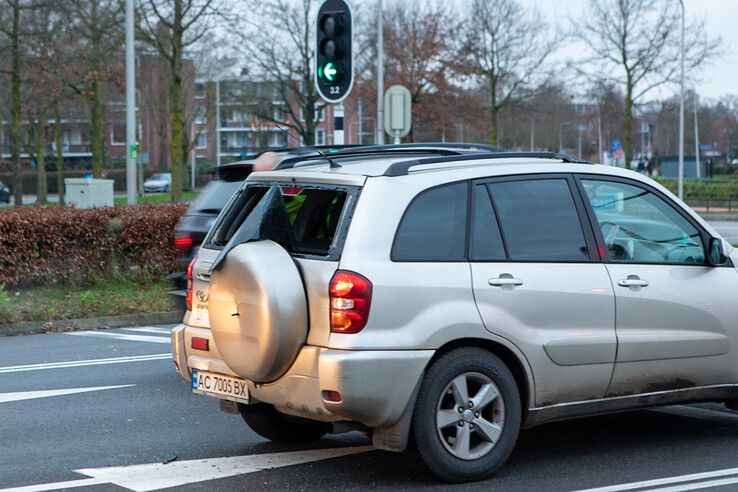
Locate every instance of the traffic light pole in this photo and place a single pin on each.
(338, 135)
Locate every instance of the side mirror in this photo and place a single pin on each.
(715, 253)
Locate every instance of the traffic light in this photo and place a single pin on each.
(334, 74)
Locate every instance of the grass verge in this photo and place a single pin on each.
(109, 296)
(157, 198)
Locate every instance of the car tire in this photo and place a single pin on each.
(456, 452)
(266, 421)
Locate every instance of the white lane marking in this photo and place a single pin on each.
(31, 395)
(84, 482)
(158, 476)
(665, 481)
(697, 485)
(82, 363)
(149, 329)
(119, 336)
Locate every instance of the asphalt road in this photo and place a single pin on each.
(727, 228)
(136, 413)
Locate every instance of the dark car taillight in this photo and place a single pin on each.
(189, 283)
(183, 241)
(351, 298)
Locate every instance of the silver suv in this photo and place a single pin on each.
(454, 299)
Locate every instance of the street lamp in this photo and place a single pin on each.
(561, 143)
(681, 113)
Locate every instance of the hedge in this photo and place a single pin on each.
(63, 244)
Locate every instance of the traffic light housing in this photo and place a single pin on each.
(334, 58)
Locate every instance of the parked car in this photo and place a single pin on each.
(4, 193)
(455, 299)
(161, 182)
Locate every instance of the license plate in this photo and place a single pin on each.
(226, 387)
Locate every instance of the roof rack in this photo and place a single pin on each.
(403, 167)
(373, 150)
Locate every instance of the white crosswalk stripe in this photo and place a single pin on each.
(120, 336)
(82, 363)
(149, 329)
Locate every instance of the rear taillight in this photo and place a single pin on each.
(183, 241)
(189, 283)
(351, 297)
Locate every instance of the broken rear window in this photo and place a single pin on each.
(314, 214)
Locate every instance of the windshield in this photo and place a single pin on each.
(159, 177)
(214, 196)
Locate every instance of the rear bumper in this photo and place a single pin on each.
(375, 385)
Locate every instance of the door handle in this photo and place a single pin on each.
(501, 281)
(633, 282)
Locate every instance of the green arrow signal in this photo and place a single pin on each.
(330, 71)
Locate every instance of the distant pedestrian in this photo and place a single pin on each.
(649, 167)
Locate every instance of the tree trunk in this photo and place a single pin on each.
(176, 94)
(15, 107)
(628, 126)
(308, 136)
(493, 109)
(59, 158)
(41, 185)
(97, 133)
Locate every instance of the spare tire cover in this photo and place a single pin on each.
(258, 311)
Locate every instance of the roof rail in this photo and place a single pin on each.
(372, 150)
(403, 167)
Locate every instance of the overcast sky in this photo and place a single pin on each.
(721, 16)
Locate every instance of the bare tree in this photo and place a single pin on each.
(506, 46)
(635, 44)
(13, 31)
(280, 46)
(418, 46)
(171, 27)
(44, 86)
(94, 52)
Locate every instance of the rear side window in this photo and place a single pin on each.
(486, 244)
(314, 216)
(434, 226)
(539, 220)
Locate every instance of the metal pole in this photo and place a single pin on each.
(380, 74)
(579, 141)
(599, 135)
(217, 122)
(361, 122)
(681, 114)
(131, 149)
(532, 134)
(696, 135)
(338, 136)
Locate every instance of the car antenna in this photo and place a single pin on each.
(333, 164)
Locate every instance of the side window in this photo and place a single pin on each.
(640, 227)
(434, 226)
(539, 220)
(486, 243)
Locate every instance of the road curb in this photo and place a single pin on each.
(101, 322)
